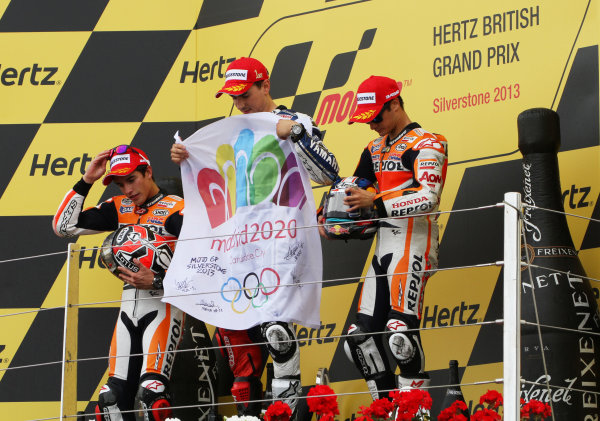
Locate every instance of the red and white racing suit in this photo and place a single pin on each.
(145, 324)
(410, 171)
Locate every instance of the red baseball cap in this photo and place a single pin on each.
(371, 95)
(241, 74)
(124, 159)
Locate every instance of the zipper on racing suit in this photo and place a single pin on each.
(140, 211)
(388, 147)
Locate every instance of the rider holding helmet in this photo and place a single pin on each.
(341, 224)
(408, 166)
(145, 324)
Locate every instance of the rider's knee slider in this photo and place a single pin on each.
(280, 340)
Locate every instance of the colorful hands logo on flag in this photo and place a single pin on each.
(248, 173)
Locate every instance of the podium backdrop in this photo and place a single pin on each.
(77, 77)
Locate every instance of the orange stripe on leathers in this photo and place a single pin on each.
(399, 281)
(112, 361)
(161, 332)
(64, 203)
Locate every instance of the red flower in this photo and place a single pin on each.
(492, 398)
(380, 408)
(485, 415)
(460, 405)
(321, 399)
(535, 407)
(409, 402)
(328, 416)
(278, 411)
(406, 416)
(444, 416)
(453, 412)
(525, 411)
(364, 417)
(364, 410)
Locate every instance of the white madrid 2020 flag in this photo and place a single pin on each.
(244, 257)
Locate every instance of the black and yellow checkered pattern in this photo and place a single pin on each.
(78, 77)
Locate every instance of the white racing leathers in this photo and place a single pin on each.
(147, 330)
(410, 171)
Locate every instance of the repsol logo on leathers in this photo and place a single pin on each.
(173, 341)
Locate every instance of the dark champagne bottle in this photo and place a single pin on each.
(194, 377)
(563, 297)
(453, 392)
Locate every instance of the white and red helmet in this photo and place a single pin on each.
(130, 242)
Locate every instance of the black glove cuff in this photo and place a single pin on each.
(82, 187)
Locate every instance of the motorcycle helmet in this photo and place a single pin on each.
(338, 223)
(129, 242)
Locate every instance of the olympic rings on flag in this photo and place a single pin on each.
(256, 294)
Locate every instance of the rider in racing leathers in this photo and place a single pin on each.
(248, 84)
(145, 324)
(408, 164)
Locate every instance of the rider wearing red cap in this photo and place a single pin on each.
(408, 165)
(247, 82)
(145, 324)
(241, 75)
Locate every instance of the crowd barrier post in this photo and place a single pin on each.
(512, 307)
(68, 393)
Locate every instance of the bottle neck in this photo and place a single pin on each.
(453, 373)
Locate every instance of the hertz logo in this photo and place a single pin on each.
(321, 335)
(203, 71)
(576, 197)
(58, 166)
(462, 314)
(34, 75)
